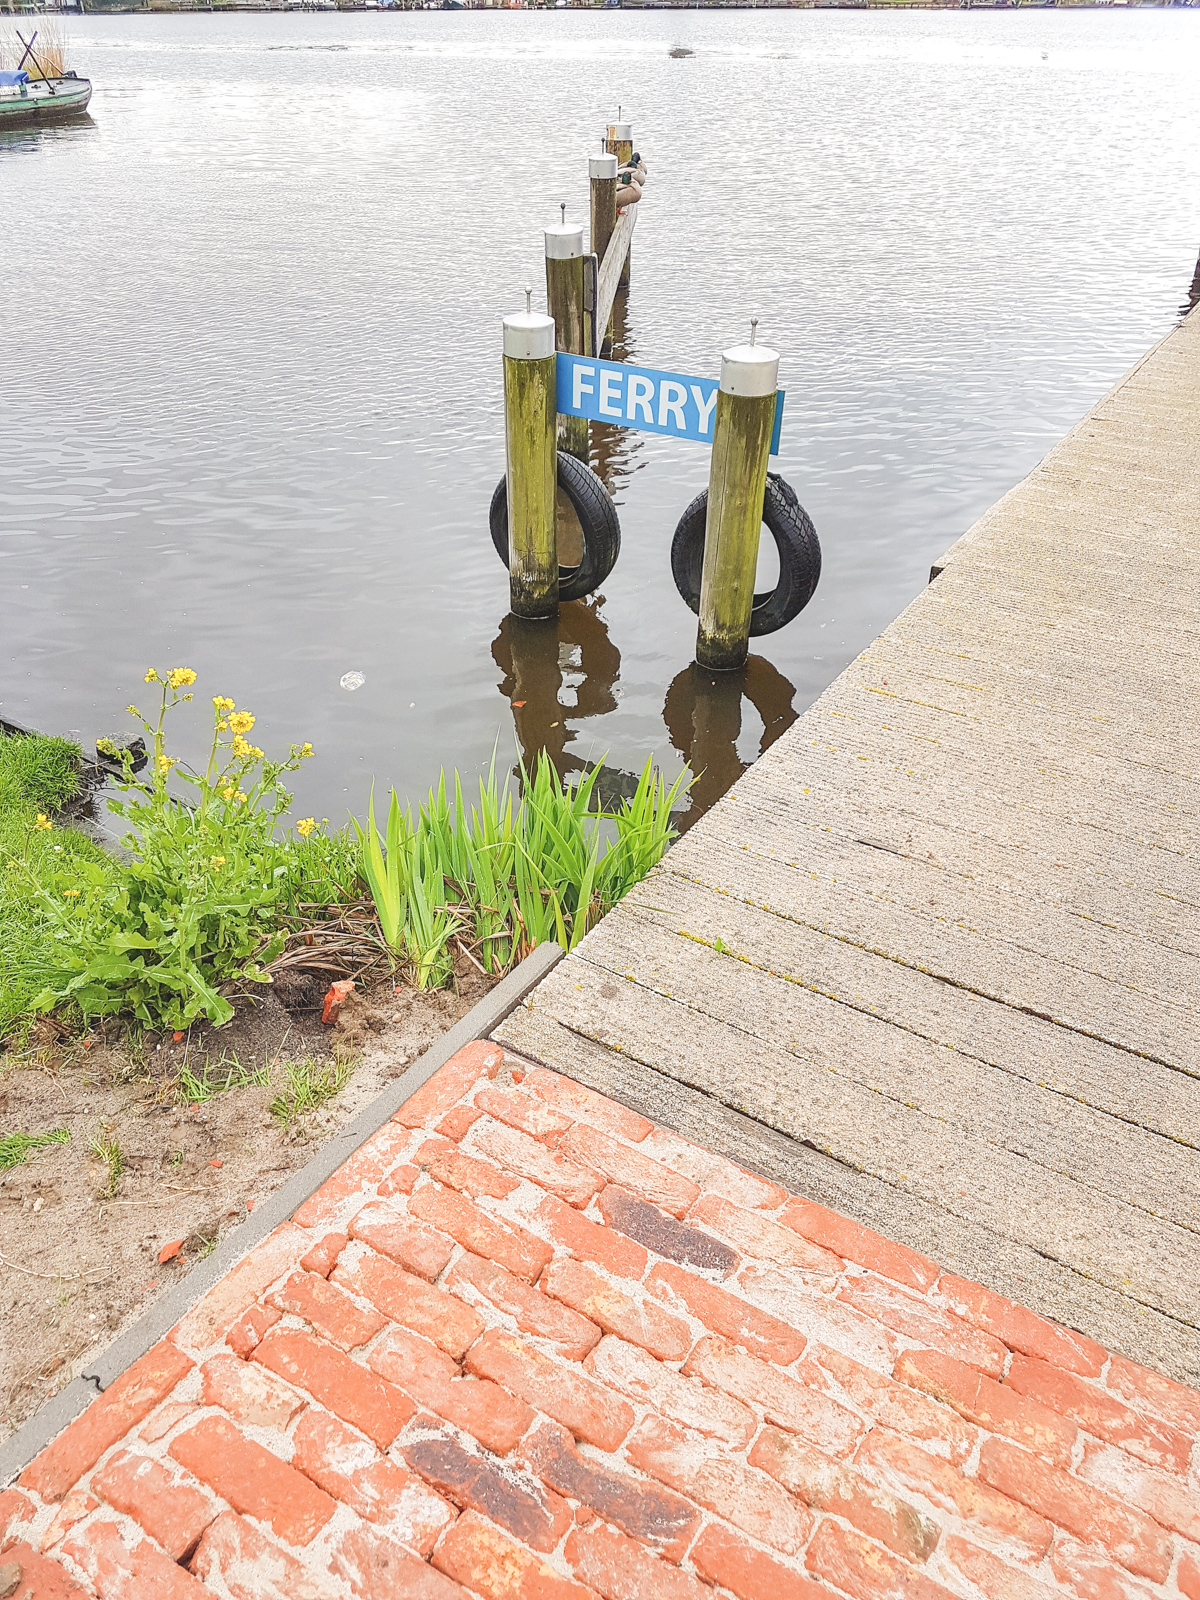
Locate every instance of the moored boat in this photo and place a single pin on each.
(25, 100)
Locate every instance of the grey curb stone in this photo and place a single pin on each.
(48, 1422)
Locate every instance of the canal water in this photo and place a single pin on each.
(250, 419)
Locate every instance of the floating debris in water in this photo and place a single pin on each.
(352, 680)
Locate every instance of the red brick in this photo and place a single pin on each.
(650, 1180)
(379, 1409)
(174, 1513)
(996, 1579)
(519, 1152)
(453, 1167)
(1022, 1329)
(524, 1111)
(892, 1405)
(534, 1515)
(160, 1422)
(925, 1324)
(417, 1248)
(349, 1469)
(479, 1556)
(1169, 1499)
(648, 1382)
(400, 1180)
(433, 1379)
(724, 1557)
(16, 1509)
(640, 1322)
(329, 1311)
(705, 1471)
(72, 1508)
(1150, 1391)
(639, 1507)
(215, 1313)
(724, 1313)
(123, 1573)
(1083, 1571)
(816, 1316)
(779, 1397)
(590, 1241)
(1127, 1534)
(513, 1247)
(533, 1311)
(253, 1567)
(991, 1515)
(247, 1332)
(411, 1302)
(457, 1122)
(829, 1485)
(853, 1242)
(248, 1393)
(450, 1084)
(44, 1578)
(322, 1258)
(585, 1105)
(1145, 1437)
(120, 1408)
(664, 1235)
(865, 1569)
(712, 1173)
(377, 1569)
(589, 1410)
(992, 1405)
(356, 1179)
(757, 1236)
(253, 1480)
(1188, 1575)
(621, 1569)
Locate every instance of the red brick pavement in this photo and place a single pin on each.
(527, 1346)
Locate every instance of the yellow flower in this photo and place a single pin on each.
(241, 721)
(181, 677)
(222, 703)
(306, 749)
(240, 798)
(222, 726)
(305, 826)
(216, 862)
(256, 752)
(43, 822)
(152, 677)
(228, 792)
(165, 763)
(133, 711)
(240, 747)
(71, 894)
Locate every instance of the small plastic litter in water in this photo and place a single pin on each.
(352, 680)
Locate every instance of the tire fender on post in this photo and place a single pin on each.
(597, 514)
(795, 539)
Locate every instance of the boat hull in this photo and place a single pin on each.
(57, 101)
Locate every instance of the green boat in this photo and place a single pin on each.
(25, 100)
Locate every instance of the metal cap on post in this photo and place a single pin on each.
(602, 167)
(531, 449)
(565, 301)
(564, 243)
(620, 132)
(737, 483)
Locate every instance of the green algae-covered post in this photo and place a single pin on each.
(564, 302)
(737, 482)
(619, 143)
(602, 175)
(530, 434)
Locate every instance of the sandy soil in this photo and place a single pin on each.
(79, 1257)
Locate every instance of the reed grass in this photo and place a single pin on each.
(509, 873)
(49, 58)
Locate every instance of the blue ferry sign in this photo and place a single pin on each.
(638, 397)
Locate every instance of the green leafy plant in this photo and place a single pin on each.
(196, 914)
(15, 1147)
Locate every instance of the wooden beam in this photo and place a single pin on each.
(610, 269)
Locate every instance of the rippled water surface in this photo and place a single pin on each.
(251, 418)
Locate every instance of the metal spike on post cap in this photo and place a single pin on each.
(562, 206)
(753, 329)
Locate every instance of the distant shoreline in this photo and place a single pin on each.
(307, 7)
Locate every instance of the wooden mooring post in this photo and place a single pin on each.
(531, 458)
(619, 143)
(737, 482)
(566, 271)
(602, 177)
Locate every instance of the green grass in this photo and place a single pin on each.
(15, 1147)
(37, 775)
(307, 1084)
(229, 1073)
(108, 1152)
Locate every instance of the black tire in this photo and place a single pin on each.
(597, 518)
(795, 539)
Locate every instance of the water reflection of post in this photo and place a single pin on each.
(536, 658)
(703, 714)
